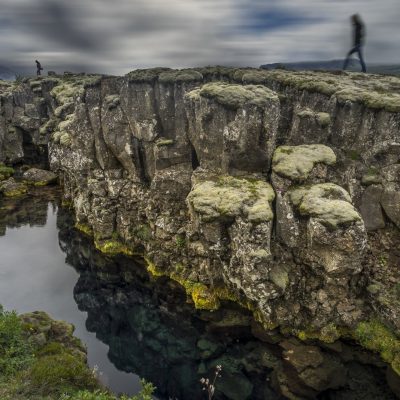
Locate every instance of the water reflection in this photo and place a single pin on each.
(35, 276)
(153, 332)
(134, 326)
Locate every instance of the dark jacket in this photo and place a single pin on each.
(359, 33)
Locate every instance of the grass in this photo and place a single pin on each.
(15, 352)
(49, 371)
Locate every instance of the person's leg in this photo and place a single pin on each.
(360, 56)
(346, 62)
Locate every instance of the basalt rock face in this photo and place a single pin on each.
(277, 190)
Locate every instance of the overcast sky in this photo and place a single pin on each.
(116, 36)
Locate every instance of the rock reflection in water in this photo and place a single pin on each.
(28, 210)
(152, 331)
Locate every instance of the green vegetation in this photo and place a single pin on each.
(180, 241)
(230, 197)
(15, 352)
(164, 142)
(11, 188)
(203, 297)
(113, 247)
(375, 336)
(323, 119)
(85, 228)
(353, 155)
(5, 172)
(234, 96)
(297, 162)
(50, 368)
(142, 232)
(180, 76)
(145, 394)
(328, 202)
(374, 91)
(221, 73)
(149, 75)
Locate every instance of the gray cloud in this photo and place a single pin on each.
(120, 35)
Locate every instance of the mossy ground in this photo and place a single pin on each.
(54, 370)
(234, 96)
(374, 91)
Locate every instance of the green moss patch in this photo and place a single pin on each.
(113, 247)
(374, 91)
(5, 172)
(327, 202)
(230, 197)
(375, 336)
(234, 96)
(180, 76)
(297, 162)
(148, 75)
(84, 228)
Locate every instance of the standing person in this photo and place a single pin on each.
(359, 35)
(39, 67)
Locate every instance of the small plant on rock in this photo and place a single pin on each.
(209, 385)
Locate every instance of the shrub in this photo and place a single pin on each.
(15, 352)
(59, 373)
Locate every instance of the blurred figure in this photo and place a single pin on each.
(39, 67)
(359, 34)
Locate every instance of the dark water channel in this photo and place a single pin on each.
(133, 326)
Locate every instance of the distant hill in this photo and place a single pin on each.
(6, 74)
(334, 65)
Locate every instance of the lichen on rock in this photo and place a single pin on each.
(235, 96)
(327, 202)
(296, 162)
(229, 197)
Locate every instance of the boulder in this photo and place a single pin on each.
(39, 177)
(12, 188)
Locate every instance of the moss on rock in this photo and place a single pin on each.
(180, 76)
(297, 162)
(164, 142)
(5, 172)
(113, 247)
(374, 91)
(148, 75)
(230, 197)
(84, 228)
(234, 96)
(203, 297)
(12, 188)
(327, 202)
(375, 336)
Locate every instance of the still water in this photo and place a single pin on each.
(34, 275)
(133, 327)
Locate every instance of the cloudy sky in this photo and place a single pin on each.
(116, 36)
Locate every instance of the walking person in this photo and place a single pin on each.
(39, 67)
(359, 35)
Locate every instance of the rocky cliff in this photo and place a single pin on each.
(273, 189)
